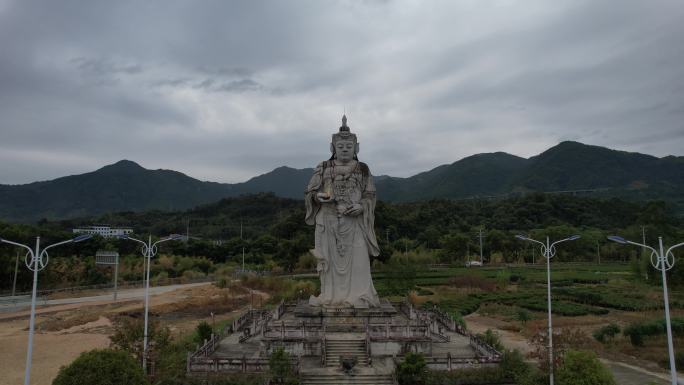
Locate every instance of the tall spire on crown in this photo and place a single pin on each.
(344, 124)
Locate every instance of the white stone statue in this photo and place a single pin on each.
(340, 202)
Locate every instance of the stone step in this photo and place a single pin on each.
(334, 349)
(342, 379)
(361, 349)
(336, 361)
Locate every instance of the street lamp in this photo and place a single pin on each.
(149, 250)
(663, 261)
(548, 250)
(39, 260)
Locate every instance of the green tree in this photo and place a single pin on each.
(583, 368)
(101, 367)
(129, 332)
(203, 332)
(279, 366)
(413, 370)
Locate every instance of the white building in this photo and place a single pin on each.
(103, 231)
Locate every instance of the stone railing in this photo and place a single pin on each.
(248, 317)
(445, 319)
(202, 365)
(448, 362)
(291, 330)
(208, 348)
(279, 310)
(484, 350)
(398, 332)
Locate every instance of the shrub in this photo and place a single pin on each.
(279, 367)
(503, 278)
(606, 333)
(473, 282)
(583, 368)
(105, 366)
(492, 339)
(637, 331)
(413, 370)
(523, 316)
(129, 334)
(203, 332)
(189, 275)
(306, 262)
(514, 366)
(479, 376)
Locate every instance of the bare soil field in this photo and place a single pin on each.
(65, 331)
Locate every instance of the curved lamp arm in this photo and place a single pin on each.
(17, 244)
(171, 237)
(133, 239)
(572, 238)
(623, 241)
(673, 247)
(524, 238)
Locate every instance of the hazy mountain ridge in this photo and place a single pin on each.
(126, 186)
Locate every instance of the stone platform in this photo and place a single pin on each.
(320, 339)
(304, 310)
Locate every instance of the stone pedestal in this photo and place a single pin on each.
(304, 310)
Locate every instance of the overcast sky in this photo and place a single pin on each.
(226, 90)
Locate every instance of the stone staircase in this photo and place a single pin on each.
(334, 348)
(342, 379)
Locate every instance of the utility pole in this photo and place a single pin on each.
(187, 230)
(481, 236)
(643, 234)
(16, 270)
(598, 251)
(387, 235)
(243, 247)
(643, 240)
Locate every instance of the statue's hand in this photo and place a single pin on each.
(354, 210)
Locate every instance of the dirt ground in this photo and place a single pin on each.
(51, 350)
(65, 331)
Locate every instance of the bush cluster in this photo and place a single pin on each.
(637, 331)
(606, 333)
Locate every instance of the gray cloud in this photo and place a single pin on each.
(227, 90)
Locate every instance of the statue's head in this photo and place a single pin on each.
(344, 146)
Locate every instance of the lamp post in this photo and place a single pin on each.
(149, 250)
(548, 250)
(662, 261)
(39, 260)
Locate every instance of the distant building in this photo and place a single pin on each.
(103, 231)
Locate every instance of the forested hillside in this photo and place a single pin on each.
(569, 166)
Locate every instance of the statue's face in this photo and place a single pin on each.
(344, 150)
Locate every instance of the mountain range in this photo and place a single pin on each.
(568, 166)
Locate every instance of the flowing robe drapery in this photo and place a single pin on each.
(343, 242)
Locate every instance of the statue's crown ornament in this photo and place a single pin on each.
(344, 133)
